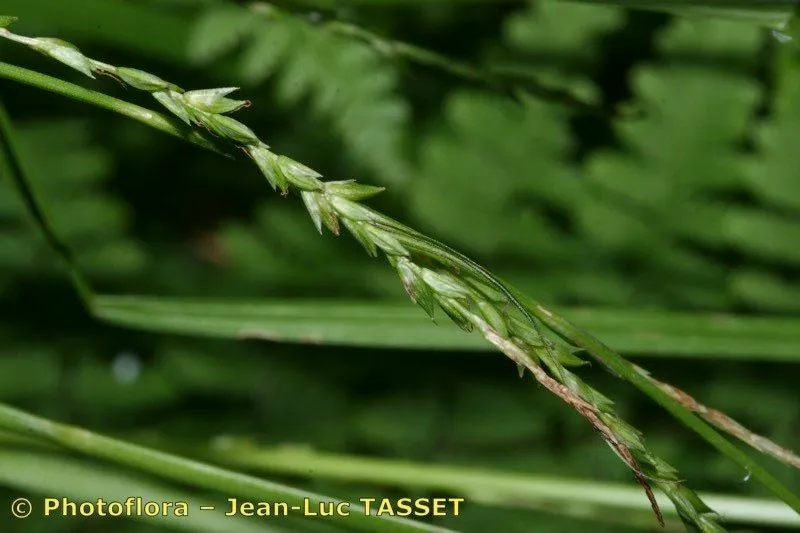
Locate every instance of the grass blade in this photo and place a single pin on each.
(194, 473)
(625, 370)
(396, 325)
(581, 498)
(154, 119)
(770, 13)
(452, 284)
(48, 475)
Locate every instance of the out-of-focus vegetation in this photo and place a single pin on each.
(689, 204)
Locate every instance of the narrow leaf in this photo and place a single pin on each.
(557, 495)
(396, 325)
(626, 371)
(48, 476)
(193, 473)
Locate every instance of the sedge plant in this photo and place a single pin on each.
(435, 276)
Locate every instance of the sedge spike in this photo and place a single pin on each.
(501, 319)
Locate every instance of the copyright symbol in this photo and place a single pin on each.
(21, 508)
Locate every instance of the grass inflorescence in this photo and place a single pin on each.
(435, 277)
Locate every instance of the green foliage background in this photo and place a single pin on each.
(693, 206)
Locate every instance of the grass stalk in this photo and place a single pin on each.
(491, 487)
(506, 84)
(153, 119)
(194, 473)
(773, 14)
(603, 501)
(47, 474)
(637, 333)
(470, 295)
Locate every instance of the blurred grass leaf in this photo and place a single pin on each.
(492, 487)
(193, 473)
(706, 433)
(396, 325)
(53, 476)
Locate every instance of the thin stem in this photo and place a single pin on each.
(458, 286)
(151, 118)
(195, 473)
(726, 423)
(781, 6)
(47, 474)
(35, 209)
(616, 502)
(770, 13)
(626, 370)
(505, 84)
(486, 486)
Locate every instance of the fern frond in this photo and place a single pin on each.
(772, 230)
(511, 163)
(218, 29)
(472, 150)
(436, 276)
(772, 175)
(345, 81)
(71, 179)
(560, 41)
(658, 194)
(471, 296)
